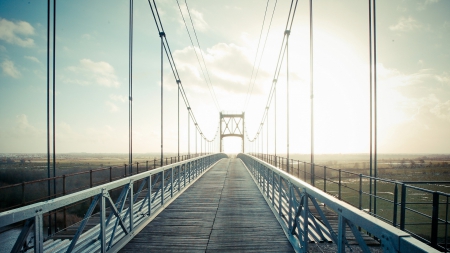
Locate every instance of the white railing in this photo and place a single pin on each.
(115, 227)
(290, 198)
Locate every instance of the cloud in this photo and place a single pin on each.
(86, 36)
(423, 5)
(228, 66)
(443, 78)
(9, 69)
(406, 25)
(32, 58)
(442, 110)
(11, 32)
(111, 106)
(23, 128)
(394, 78)
(101, 73)
(197, 18)
(119, 98)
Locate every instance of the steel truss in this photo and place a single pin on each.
(289, 198)
(127, 215)
(232, 125)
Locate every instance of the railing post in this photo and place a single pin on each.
(154, 163)
(131, 207)
(179, 180)
(102, 222)
(435, 220)
(305, 221)
(273, 188)
(298, 169)
(23, 193)
(90, 179)
(149, 186)
(125, 169)
(360, 192)
(110, 174)
(304, 170)
(137, 168)
(279, 194)
(340, 184)
(394, 218)
(325, 179)
(162, 188)
(65, 207)
(146, 165)
(171, 182)
(291, 204)
(403, 208)
(38, 233)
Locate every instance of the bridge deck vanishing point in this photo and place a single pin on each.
(222, 211)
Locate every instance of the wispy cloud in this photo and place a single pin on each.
(9, 69)
(12, 32)
(119, 98)
(23, 128)
(442, 110)
(406, 25)
(197, 18)
(101, 73)
(32, 58)
(423, 4)
(111, 106)
(228, 67)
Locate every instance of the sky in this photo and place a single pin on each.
(91, 75)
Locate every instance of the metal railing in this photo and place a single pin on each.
(290, 200)
(116, 225)
(29, 192)
(423, 213)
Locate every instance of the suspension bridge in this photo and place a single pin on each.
(211, 201)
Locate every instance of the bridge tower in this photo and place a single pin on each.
(232, 125)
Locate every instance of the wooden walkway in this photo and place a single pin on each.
(222, 211)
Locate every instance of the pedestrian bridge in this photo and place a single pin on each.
(207, 204)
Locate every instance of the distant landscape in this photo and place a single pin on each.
(392, 166)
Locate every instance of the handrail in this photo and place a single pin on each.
(165, 184)
(288, 197)
(399, 204)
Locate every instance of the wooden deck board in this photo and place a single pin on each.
(222, 211)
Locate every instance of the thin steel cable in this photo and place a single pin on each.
(196, 55)
(201, 54)
(262, 52)
(280, 57)
(256, 57)
(48, 105)
(311, 63)
(287, 101)
(130, 87)
(172, 64)
(375, 101)
(162, 97)
(371, 103)
(54, 103)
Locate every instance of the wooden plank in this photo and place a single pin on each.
(222, 211)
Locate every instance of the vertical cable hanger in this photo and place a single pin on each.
(311, 63)
(54, 103)
(287, 32)
(371, 107)
(48, 109)
(130, 89)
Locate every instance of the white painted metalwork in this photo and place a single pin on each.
(119, 227)
(289, 199)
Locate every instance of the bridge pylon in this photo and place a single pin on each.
(232, 125)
